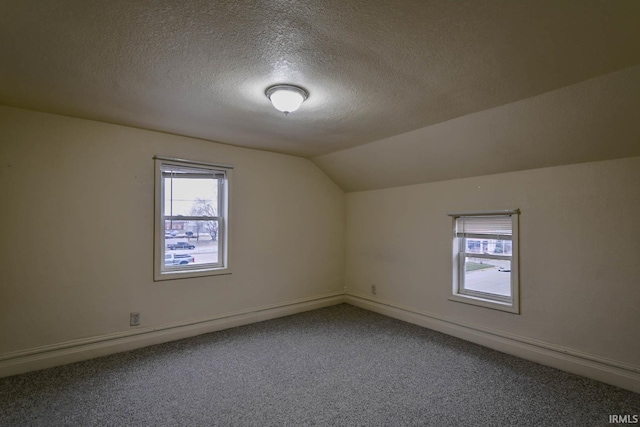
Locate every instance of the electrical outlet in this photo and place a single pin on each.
(135, 319)
(373, 289)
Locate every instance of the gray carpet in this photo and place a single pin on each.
(339, 366)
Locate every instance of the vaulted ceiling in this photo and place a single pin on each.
(375, 70)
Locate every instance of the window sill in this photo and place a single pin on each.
(486, 303)
(175, 275)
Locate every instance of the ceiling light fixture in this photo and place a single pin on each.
(286, 98)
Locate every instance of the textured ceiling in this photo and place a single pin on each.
(373, 68)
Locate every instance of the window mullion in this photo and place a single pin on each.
(487, 256)
(192, 218)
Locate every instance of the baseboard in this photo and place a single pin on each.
(89, 348)
(595, 367)
(590, 366)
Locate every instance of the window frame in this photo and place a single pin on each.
(160, 272)
(484, 299)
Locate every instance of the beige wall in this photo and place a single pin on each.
(579, 252)
(77, 231)
(77, 227)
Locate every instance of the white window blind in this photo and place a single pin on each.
(488, 227)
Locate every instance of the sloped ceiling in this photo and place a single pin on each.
(374, 69)
(598, 119)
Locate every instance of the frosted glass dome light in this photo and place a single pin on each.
(286, 98)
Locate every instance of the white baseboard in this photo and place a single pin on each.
(89, 348)
(590, 366)
(587, 365)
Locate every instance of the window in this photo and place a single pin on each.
(485, 250)
(192, 219)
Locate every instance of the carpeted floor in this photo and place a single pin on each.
(340, 366)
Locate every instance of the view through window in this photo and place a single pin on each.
(487, 266)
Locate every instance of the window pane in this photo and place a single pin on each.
(195, 242)
(190, 196)
(488, 275)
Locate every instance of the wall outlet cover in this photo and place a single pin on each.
(134, 319)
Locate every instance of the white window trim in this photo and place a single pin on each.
(159, 232)
(512, 306)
